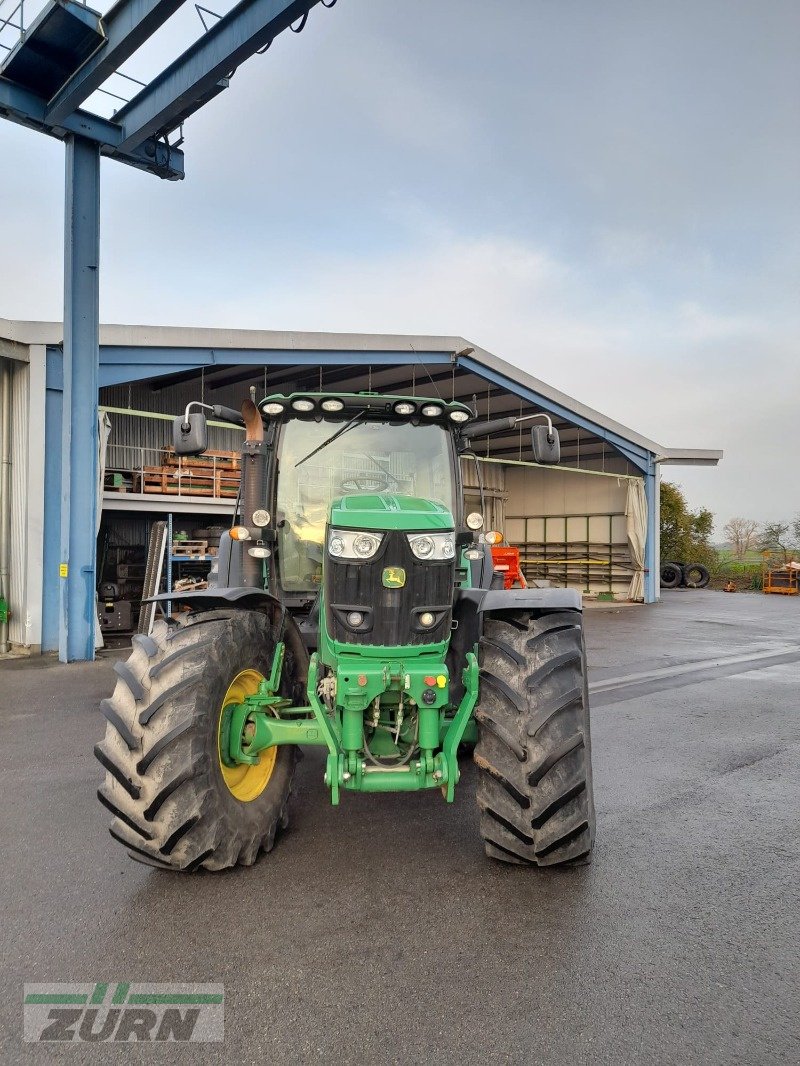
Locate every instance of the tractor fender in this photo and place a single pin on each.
(470, 606)
(249, 599)
(521, 599)
(213, 598)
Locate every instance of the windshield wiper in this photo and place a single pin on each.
(331, 439)
(375, 462)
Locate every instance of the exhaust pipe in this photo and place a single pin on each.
(254, 469)
(5, 496)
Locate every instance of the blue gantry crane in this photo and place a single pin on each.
(67, 53)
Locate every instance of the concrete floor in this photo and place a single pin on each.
(379, 933)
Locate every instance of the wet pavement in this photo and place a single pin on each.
(378, 932)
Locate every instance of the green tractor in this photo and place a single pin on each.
(355, 607)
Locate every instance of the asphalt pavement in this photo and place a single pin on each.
(377, 932)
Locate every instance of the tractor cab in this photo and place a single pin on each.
(309, 454)
(332, 452)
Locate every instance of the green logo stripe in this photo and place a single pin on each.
(173, 997)
(55, 997)
(120, 992)
(99, 993)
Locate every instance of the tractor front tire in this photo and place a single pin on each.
(176, 806)
(534, 749)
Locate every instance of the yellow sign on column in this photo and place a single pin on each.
(63, 570)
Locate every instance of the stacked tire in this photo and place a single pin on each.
(684, 575)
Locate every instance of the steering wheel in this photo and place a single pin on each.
(369, 481)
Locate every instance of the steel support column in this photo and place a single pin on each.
(79, 459)
(652, 577)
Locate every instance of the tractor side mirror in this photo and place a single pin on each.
(546, 445)
(190, 434)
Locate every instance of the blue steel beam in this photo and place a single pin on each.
(25, 107)
(79, 435)
(652, 576)
(127, 25)
(248, 26)
(636, 455)
(119, 365)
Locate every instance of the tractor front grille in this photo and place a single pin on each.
(391, 615)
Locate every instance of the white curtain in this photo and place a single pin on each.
(636, 513)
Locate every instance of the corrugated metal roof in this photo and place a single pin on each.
(462, 382)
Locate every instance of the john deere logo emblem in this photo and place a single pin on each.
(394, 577)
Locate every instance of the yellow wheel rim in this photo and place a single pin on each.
(248, 781)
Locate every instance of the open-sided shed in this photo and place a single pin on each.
(577, 524)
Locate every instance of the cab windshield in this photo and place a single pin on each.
(369, 457)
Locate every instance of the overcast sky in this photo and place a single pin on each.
(604, 193)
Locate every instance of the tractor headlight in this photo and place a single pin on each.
(432, 547)
(353, 544)
(366, 545)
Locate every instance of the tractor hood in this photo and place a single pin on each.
(386, 510)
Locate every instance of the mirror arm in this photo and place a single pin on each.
(226, 414)
(193, 403)
(541, 414)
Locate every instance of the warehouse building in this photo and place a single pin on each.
(591, 523)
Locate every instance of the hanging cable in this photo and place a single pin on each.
(300, 25)
(488, 413)
(200, 10)
(425, 368)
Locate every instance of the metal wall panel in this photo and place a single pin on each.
(130, 435)
(18, 629)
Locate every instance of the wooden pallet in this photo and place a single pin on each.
(221, 460)
(167, 481)
(190, 549)
(189, 584)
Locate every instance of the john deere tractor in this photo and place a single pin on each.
(353, 606)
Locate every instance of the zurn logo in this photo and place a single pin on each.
(120, 1011)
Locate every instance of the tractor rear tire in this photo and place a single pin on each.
(165, 783)
(534, 749)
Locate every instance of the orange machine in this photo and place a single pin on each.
(506, 562)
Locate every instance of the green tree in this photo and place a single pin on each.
(685, 534)
(775, 538)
